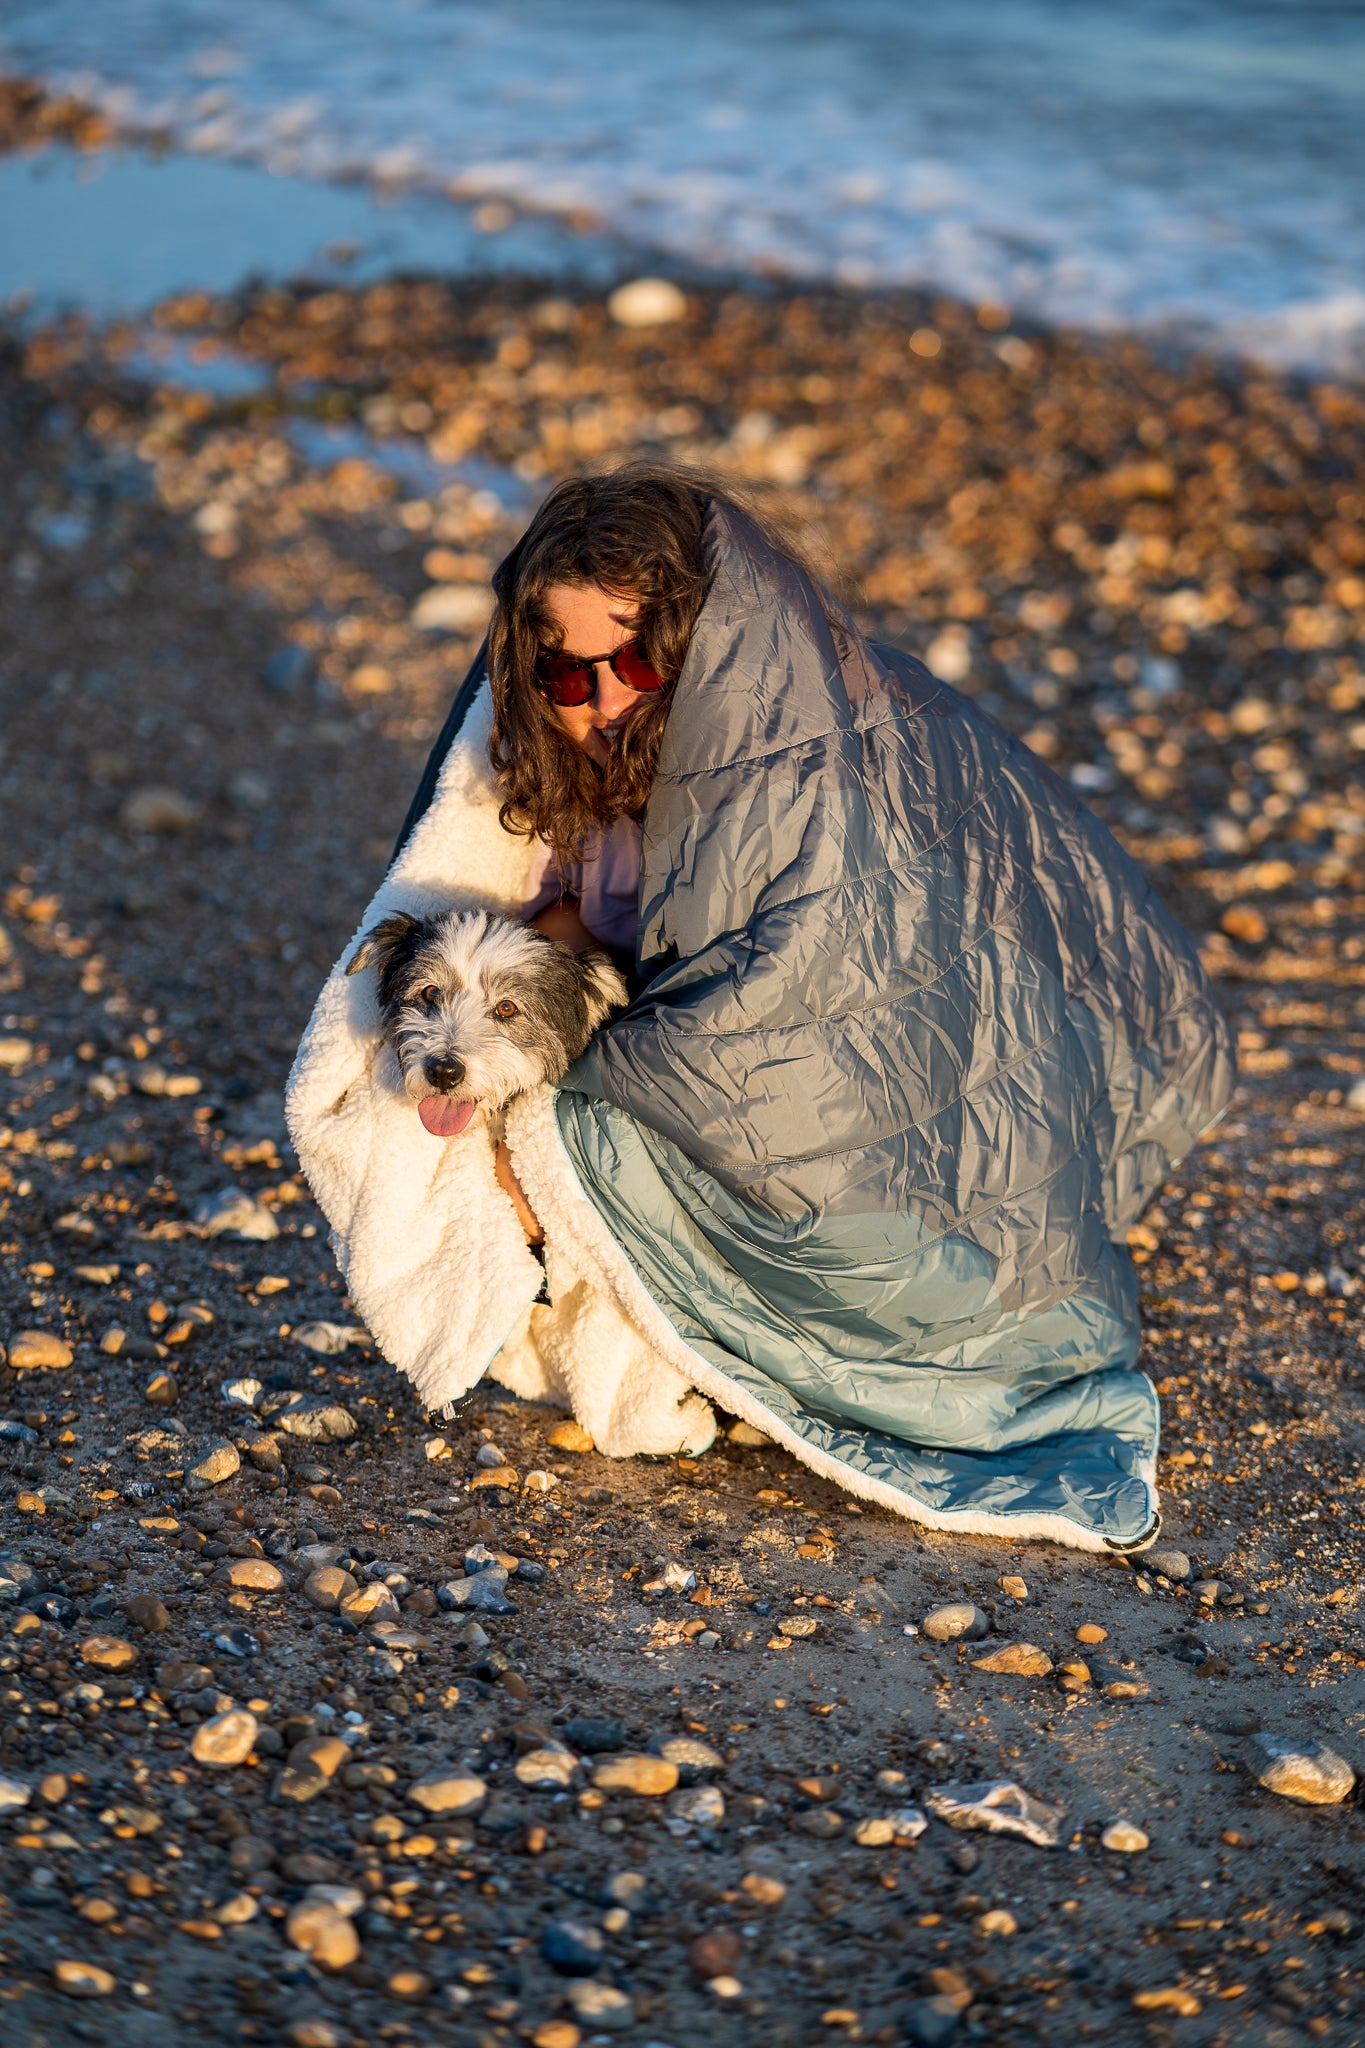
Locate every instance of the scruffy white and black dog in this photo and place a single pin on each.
(479, 1009)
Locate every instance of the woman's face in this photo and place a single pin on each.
(595, 622)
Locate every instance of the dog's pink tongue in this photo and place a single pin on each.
(442, 1117)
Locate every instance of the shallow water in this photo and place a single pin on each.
(1196, 164)
(114, 233)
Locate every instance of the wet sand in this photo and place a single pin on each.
(217, 690)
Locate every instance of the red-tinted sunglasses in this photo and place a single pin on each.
(568, 679)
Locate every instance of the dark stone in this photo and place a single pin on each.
(931, 2022)
(571, 1948)
(595, 1737)
(287, 670)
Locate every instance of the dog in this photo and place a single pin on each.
(480, 1008)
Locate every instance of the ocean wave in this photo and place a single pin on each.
(1194, 168)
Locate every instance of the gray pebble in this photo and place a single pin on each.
(1304, 1770)
(959, 1622)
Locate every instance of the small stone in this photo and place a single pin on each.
(310, 1768)
(327, 1587)
(540, 1482)
(718, 1953)
(108, 1653)
(820, 1821)
(998, 1922)
(569, 1436)
(162, 1390)
(1207, 1591)
(254, 1575)
(369, 1604)
(762, 1888)
(1170, 1998)
(323, 1933)
(145, 1611)
(241, 1393)
(15, 1052)
(1170, 1564)
(448, 1791)
(54, 1788)
(1115, 1683)
(905, 1825)
(226, 1739)
(314, 2034)
(39, 1351)
(157, 809)
(219, 1462)
(1073, 1674)
(233, 1212)
(83, 1980)
(695, 1759)
(250, 1853)
(932, 2022)
(700, 1806)
(312, 1417)
(550, 1768)
(556, 2034)
(1015, 1587)
(601, 2007)
(482, 1590)
(999, 1807)
(958, 1622)
(503, 1476)
(1124, 1838)
(412, 1986)
(236, 1641)
(330, 1338)
(595, 1737)
(14, 1793)
(1307, 1771)
(573, 1948)
(647, 302)
(1091, 1632)
(264, 1454)
(744, 1433)
(1017, 1660)
(238, 1911)
(648, 1777)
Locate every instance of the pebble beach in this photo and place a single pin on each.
(327, 1722)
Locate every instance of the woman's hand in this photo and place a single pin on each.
(563, 922)
(512, 1188)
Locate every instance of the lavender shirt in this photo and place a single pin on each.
(607, 887)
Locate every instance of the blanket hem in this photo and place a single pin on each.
(547, 1171)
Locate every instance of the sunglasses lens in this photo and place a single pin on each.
(566, 682)
(634, 671)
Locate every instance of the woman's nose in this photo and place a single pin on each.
(612, 696)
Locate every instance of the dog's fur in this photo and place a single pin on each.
(480, 1008)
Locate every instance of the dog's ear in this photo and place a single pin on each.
(604, 987)
(379, 946)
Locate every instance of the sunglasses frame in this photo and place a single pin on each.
(581, 675)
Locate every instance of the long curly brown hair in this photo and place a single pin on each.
(635, 532)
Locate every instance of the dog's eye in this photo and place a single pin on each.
(430, 994)
(505, 1010)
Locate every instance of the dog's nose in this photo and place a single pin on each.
(445, 1074)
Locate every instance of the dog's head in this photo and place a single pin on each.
(480, 1008)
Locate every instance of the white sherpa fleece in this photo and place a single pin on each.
(430, 1245)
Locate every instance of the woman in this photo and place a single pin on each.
(912, 1044)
